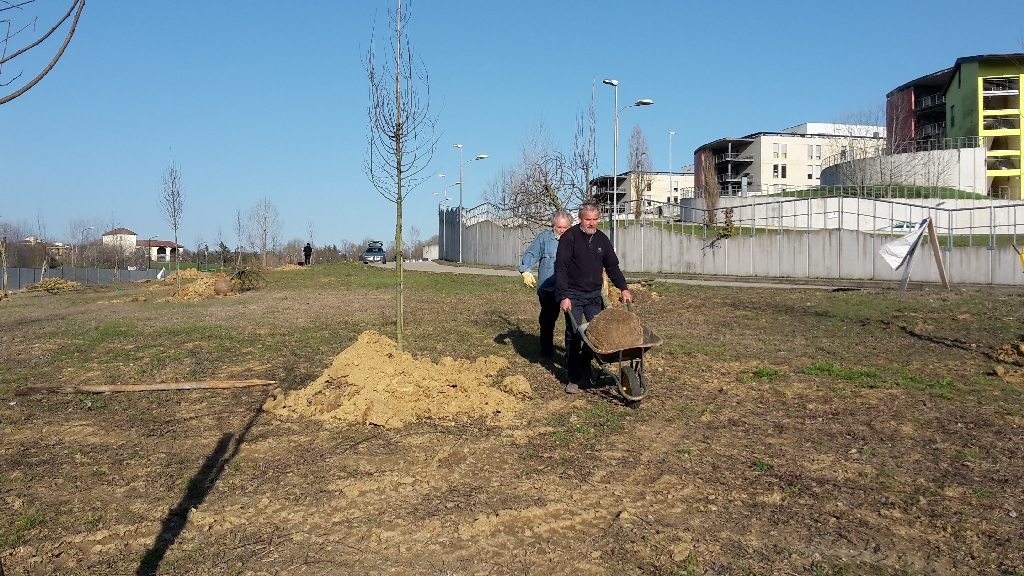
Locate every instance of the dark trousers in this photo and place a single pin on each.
(577, 361)
(306, 258)
(548, 318)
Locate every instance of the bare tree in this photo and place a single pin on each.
(583, 165)
(14, 34)
(538, 185)
(172, 202)
(311, 228)
(264, 228)
(711, 191)
(241, 235)
(401, 138)
(640, 168)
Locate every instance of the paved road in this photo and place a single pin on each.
(435, 267)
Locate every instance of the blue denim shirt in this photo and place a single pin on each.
(542, 250)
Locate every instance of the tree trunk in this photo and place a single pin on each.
(399, 324)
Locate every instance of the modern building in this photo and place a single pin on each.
(658, 188)
(774, 162)
(974, 103)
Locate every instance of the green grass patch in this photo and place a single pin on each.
(826, 368)
(762, 465)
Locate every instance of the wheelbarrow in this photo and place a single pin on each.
(625, 366)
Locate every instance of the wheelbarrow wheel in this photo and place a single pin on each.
(631, 387)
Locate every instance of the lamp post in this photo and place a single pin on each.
(149, 252)
(670, 135)
(615, 154)
(462, 178)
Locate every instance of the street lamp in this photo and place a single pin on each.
(670, 135)
(149, 252)
(81, 236)
(615, 162)
(462, 178)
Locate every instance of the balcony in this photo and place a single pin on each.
(1003, 163)
(1001, 123)
(930, 101)
(733, 157)
(939, 128)
(1007, 86)
(733, 177)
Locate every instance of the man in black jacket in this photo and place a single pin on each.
(583, 254)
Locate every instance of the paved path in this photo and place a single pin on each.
(435, 267)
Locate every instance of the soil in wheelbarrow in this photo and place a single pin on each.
(372, 382)
(615, 329)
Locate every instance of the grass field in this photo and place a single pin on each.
(787, 432)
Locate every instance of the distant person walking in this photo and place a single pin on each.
(584, 253)
(307, 253)
(542, 251)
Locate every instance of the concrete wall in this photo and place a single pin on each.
(817, 253)
(963, 169)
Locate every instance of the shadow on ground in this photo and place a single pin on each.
(196, 491)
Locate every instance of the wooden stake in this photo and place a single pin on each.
(934, 241)
(101, 388)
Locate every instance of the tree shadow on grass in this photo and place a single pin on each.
(196, 491)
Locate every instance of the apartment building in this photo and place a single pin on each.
(658, 187)
(974, 103)
(774, 162)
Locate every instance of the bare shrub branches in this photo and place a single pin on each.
(640, 168)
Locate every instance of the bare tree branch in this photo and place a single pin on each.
(80, 4)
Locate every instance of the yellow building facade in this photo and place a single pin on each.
(983, 99)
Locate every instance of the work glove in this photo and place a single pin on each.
(529, 280)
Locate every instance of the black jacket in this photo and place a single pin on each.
(581, 258)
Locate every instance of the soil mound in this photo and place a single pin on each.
(202, 288)
(372, 382)
(53, 286)
(1012, 353)
(615, 329)
(290, 267)
(186, 273)
(641, 293)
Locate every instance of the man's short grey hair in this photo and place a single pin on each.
(559, 215)
(589, 206)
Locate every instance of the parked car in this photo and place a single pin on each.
(374, 254)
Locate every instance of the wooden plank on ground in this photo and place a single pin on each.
(934, 241)
(101, 388)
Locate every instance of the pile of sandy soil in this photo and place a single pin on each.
(186, 273)
(121, 300)
(615, 329)
(289, 267)
(201, 289)
(372, 382)
(641, 295)
(1012, 353)
(53, 286)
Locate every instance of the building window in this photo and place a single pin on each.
(648, 186)
(952, 116)
(842, 154)
(775, 150)
(783, 170)
(784, 147)
(817, 152)
(810, 152)
(817, 170)
(810, 172)
(775, 170)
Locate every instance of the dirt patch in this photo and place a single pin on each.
(289, 267)
(1012, 353)
(642, 294)
(122, 300)
(615, 329)
(372, 382)
(53, 286)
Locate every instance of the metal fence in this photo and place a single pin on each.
(18, 278)
(831, 236)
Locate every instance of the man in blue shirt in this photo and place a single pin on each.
(542, 250)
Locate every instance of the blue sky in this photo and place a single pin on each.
(255, 99)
